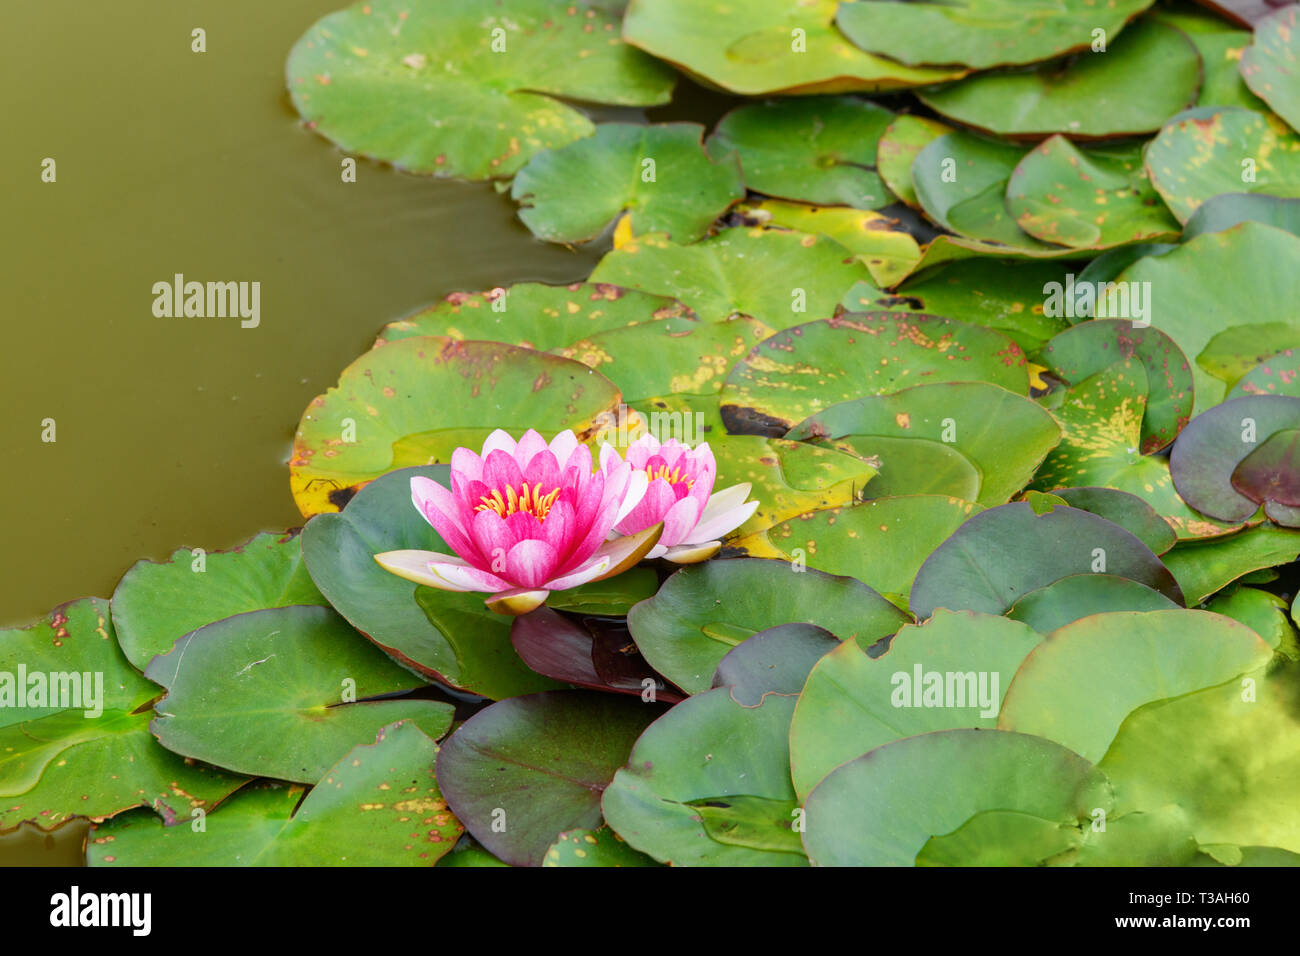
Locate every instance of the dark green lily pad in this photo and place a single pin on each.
(704, 610)
(1080, 595)
(1146, 74)
(1127, 511)
(1001, 554)
(1202, 568)
(814, 149)
(378, 806)
(775, 661)
(527, 769)
(282, 693)
(659, 175)
(1225, 211)
(1271, 65)
(448, 88)
(64, 760)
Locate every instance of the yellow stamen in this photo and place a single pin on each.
(529, 501)
(673, 477)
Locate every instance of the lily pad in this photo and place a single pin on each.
(1277, 375)
(704, 610)
(1264, 613)
(527, 769)
(982, 33)
(1235, 351)
(1079, 685)
(157, 604)
(1080, 595)
(1146, 74)
(1001, 554)
(1004, 434)
(1203, 568)
(1127, 511)
(378, 806)
(775, 46)
(1206, 151)
(534, 315)
(925, 682)
(882, 543)
(659, 175)
(415, 401)
(445, 87)
(775, 661)
(779, 277)
(882, 808)
(79, 745)
(446, 636)
(899, 145)
(801, 371)
(709, 783)
(601, 847)
(814, 149)
(1094, 200)
(282, 693)
(1271, 65)
(1225, 211)
(915, 466)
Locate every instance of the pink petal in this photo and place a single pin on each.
(529, 445)
(530, 563)
(499, 440)
(465, 466)
(501, 471)
(494, 539)
(543, 470)
(679, 521)
(445, 513)
(562, 446)
(444, 571)
(722, 523)
(654, 504)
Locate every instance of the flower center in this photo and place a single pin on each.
(673, 477)
(529, 501)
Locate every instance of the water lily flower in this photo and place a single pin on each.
(679, 495)
(526, 518)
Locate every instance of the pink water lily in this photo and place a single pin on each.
(526, 518)
(679, 494)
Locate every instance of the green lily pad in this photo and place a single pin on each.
(1009, 298)
(157, 604)
(445, 87)
(1080, 595)
(774, 46)
(1127, 511)
(1094, 200)
(1227, 464)
(1079, 685)
(659, 175)
(535, 315)
(1090, 347)
(442, 635)
(709, 783)
(378, 806)
(1235, 786)
(925, 682)
(468, 852)
(982, 33)
(899, 145)
(1004, 838)
(915, 466)
(1271, 65)
(774, 661)
(1001, 554)
(882, 808)
(602, 847)
(415, 401)
(1262, 612)
(779, 277)
(78, 744)
(1277, 375)
(1225, 211)
(1146, 74)
(1203, 568)
(1221, 47)
(1209, 150)
(1004, 434)
(527, 769)
(803, 370)
(880, 243)
(704, 610)
(284, 693)
(1235, 351)
(882, 543)
(814, 149)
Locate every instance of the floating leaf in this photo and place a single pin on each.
(1148, 73)
(1271, 65)
(799, 372)
(446, 636)
(982, 33)
(703, 611)
(415, 401)
(926, 681)
(659, 175)
(281, 693)
(1220, 47)
(1276, 375)
(774, 661)
(814, 149)
(899, 145)
(1209, 150)
(709, 783)
(1204, 567)
(601, 847)
(1263, 613)
(1225, 211)
(776, 46)
(1081, 595)
(1235, 351)
(445, 87)
(1127, 511)
(79, 744)
(157, 604)
(378, 806)
(1001, 554)
(527, 769)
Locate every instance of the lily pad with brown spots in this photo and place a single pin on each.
(1271, 65)
(803, 370)
(1279, 374)
(452, 88)
(1237, 350)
